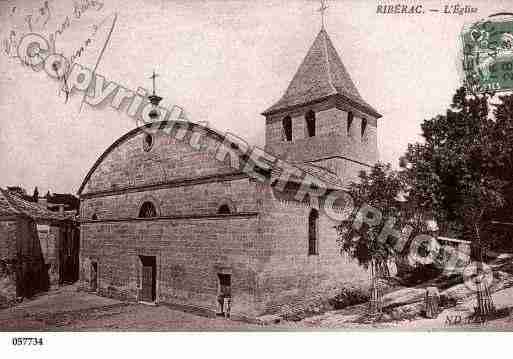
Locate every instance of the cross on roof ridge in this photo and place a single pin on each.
(153, 77)
(322, 10)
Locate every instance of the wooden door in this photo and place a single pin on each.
(147, 284)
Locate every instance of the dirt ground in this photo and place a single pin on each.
(66, 309)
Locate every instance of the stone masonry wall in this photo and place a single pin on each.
(190, 241)
(128, 165)
(48, 238)
(199, 199)
(8, 259)
(350, 170)
(8, 239)
(291, 276)
(263, 245)
(332, 138)
(189, 253)
(22, 272)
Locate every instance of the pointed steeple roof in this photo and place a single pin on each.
(321, 75)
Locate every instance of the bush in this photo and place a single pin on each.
(420, 274)
(307, 310)
(348, 297)
(345, 297)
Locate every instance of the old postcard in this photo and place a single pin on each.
(255, 166)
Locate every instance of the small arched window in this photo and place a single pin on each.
(364, 127)
(147, 210)
(94, 217)
(224, 209)
(313, 229)
(310, 123)
(287, 128)
(147, 142)
(349, 122)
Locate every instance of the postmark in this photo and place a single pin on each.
(488, 54)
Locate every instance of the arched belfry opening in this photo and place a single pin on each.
(310, 123)
(287, 128)
(349, 122)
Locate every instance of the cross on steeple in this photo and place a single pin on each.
(322, 10)
(154, 99)
(153, 77)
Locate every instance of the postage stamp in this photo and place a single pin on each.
(488, 54)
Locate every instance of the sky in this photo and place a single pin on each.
(224, 62)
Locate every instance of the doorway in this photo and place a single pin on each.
(224, 295)
(148, 279)
(94, 276)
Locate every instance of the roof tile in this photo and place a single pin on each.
(12, 205)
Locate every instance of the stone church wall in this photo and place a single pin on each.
(189, 253)
(190, 241)
(192, 244)
(331, 138)
(198, 199)
(343, 152)
(292, 276)
(262, 244)
(127, 165)
(350, 170)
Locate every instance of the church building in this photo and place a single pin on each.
(166, 222)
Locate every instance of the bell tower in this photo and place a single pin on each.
(321, 119)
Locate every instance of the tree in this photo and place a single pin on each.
(458, 170)
(503, 140)
(463, 168)
(380, 190)
(20, 191)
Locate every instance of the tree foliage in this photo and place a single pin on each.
(462, 170)
(379, 189)
(461, 174)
